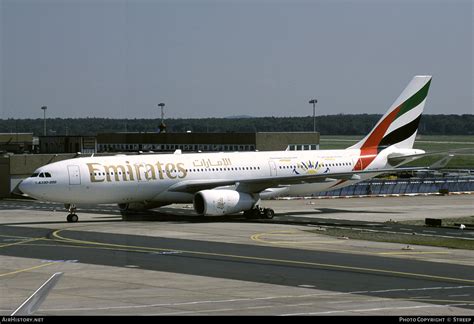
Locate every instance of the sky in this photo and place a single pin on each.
(121, 58)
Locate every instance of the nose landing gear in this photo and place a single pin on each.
(72, 217)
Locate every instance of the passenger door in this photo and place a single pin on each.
(273, 168)
(74, 174)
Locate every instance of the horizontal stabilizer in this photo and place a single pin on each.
(441, 163)
(396, 159)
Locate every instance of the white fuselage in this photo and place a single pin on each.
(134, 178)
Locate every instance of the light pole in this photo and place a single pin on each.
(314, 101)
(162, 125)
(44, 119)
(162, 106)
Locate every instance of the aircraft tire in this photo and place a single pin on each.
(268, 213)
(72, 218)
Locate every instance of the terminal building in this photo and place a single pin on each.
(18, 143)
(67, 144)
(207, 142)
(186, 142)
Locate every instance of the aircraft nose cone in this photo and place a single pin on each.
(26, 187)
(23, 187)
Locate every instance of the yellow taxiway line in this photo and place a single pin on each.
(27, 269)
(283, 261)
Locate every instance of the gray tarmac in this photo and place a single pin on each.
(177, 264)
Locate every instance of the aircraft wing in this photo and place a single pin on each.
(257, 185)
(31, 305)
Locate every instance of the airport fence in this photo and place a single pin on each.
(403, 187)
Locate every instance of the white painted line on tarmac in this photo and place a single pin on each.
(376, 309)
(221, 301)
(465, 295)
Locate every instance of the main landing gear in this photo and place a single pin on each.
(72, 217)
(259, 213)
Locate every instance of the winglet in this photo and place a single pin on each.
(31, 305)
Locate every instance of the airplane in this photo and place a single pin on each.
(229, 183)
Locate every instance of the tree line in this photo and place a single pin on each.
(341, 124)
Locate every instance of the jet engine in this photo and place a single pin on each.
(222, 202)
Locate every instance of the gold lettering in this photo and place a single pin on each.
(115, 169)
(182, 170)
(137, 169)
(150, 172)
(168, 168)
(130, 171)
(92, 171)
(160, 169)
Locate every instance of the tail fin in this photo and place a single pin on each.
(399, 125)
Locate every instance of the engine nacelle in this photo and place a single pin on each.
(222, 202)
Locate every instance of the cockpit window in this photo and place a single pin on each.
(42, 175)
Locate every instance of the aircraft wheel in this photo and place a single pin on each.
(268, 213)
(72, 218)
